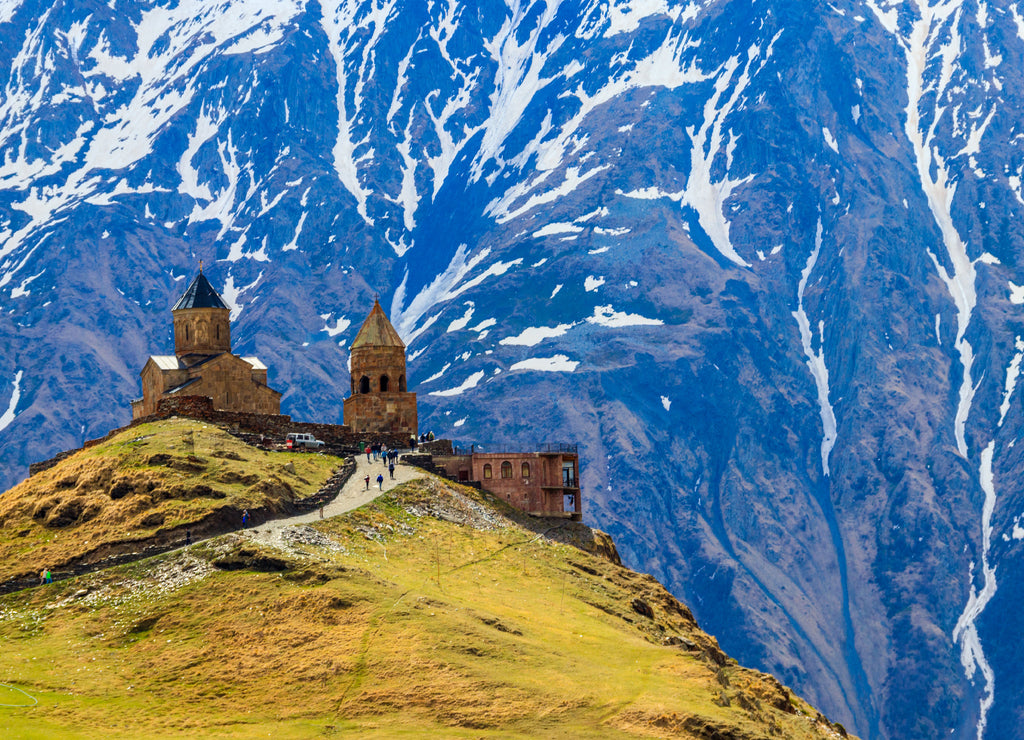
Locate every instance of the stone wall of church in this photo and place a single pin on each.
(382, 412)
(154, 382)
(232, 387)
(204, 331)
(231, 384)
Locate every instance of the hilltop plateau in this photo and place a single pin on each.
(433, 609)
(143, 487)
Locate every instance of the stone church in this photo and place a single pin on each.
(202, 363)
(380, 401)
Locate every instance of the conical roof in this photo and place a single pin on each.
(200, 294)
(377, 331)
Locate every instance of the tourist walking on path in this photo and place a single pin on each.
(380, 481)
(355, 493)
(188, 537)
(367, 479)
(391, 469)
(245, 518)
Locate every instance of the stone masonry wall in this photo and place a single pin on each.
(382, 412)
(375, 363)
(202, 330)
(275, 427)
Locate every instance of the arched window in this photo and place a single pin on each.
(487, 471)
(218, 331)
(364, 384)
(186, 333)
(506, 469)
(401, 384)
(383, 383)
(526, 470)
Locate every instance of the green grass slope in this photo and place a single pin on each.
(434, 611)
(143, 486)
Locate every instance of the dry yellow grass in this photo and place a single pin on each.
(432, 612)
(150, 479)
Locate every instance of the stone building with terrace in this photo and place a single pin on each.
(541, 483)
(202, 363)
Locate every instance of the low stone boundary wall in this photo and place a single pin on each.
(269, 425)
(436, 447)
(329, 490)
(339, 439)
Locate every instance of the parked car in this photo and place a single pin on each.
(296, 441)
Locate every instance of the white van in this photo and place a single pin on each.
(297, 441)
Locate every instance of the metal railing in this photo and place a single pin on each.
(549, 448)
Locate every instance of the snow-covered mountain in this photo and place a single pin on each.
(760, 258)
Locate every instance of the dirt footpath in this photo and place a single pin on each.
(352, 496)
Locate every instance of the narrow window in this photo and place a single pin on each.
(487, 471)
(186, 332)
(526, 470)
(568, 475)
(364, 384)
(401, 384)
(383, 383)
(506, 469)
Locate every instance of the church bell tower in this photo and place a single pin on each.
(379, 401)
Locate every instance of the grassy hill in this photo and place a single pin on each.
(435, 611)
(145, 486)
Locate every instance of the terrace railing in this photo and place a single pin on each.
(547, 448)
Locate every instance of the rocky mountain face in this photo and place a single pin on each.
(759, 258)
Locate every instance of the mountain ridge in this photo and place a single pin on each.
(758, 259)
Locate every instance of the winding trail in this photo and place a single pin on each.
(353, 495)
